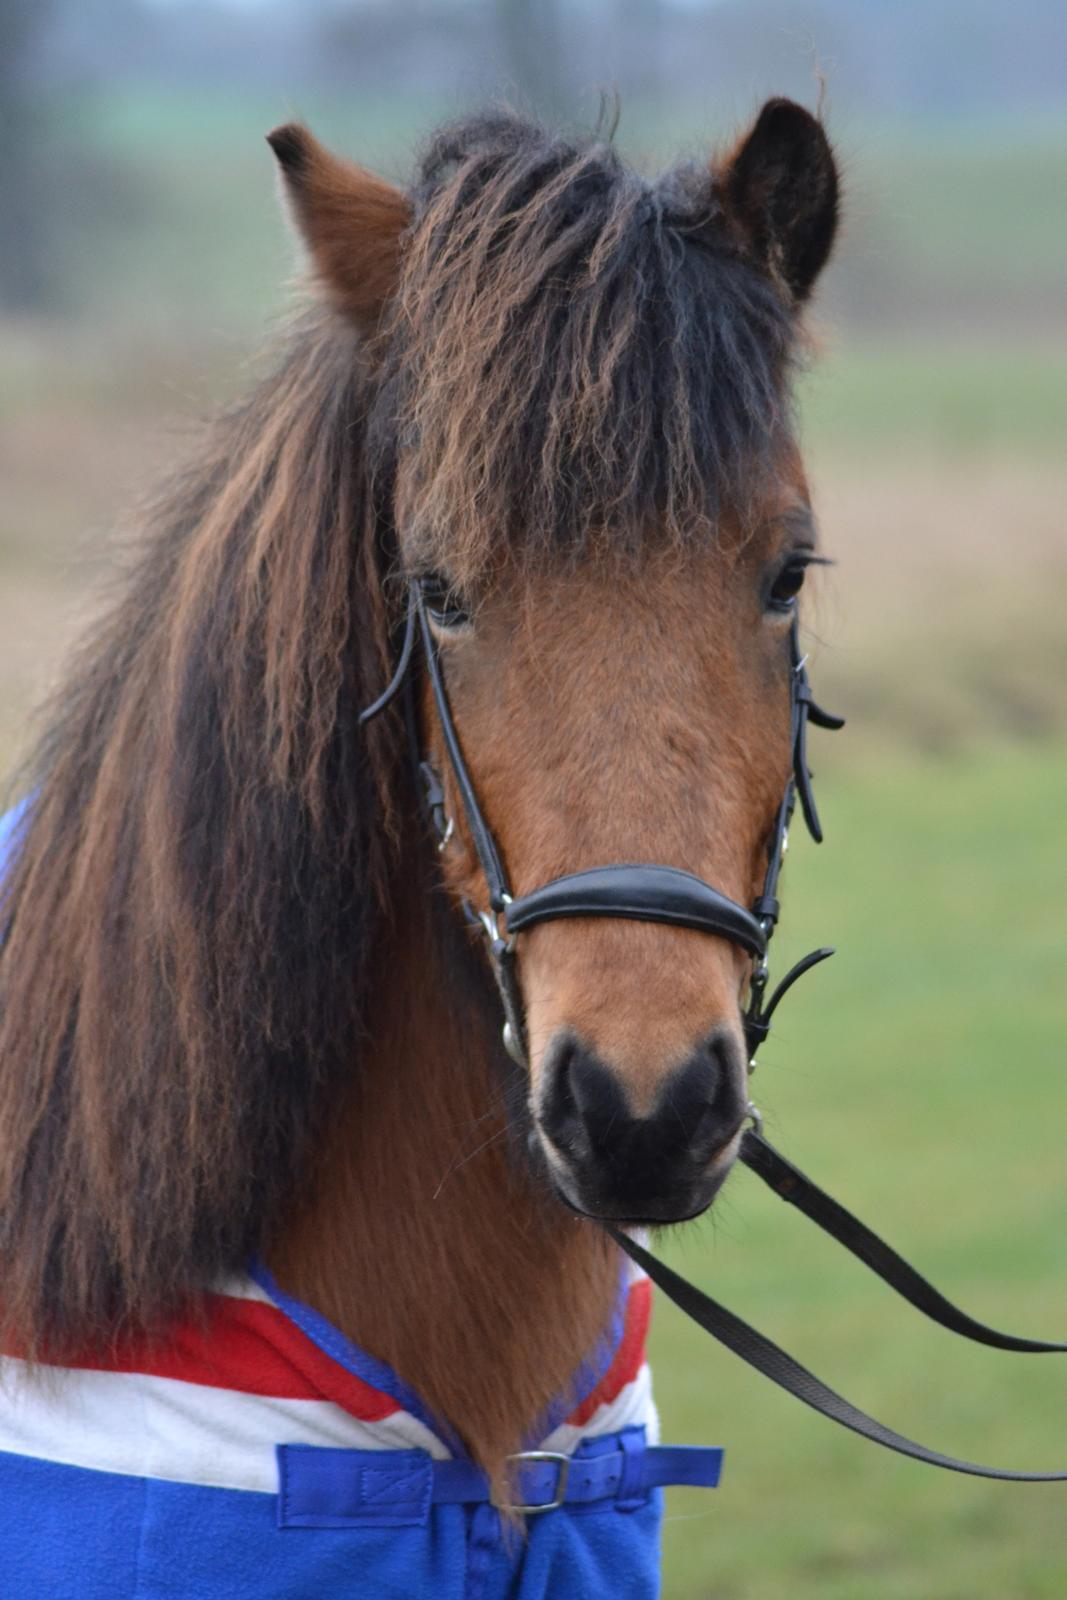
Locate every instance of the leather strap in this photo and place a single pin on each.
(759, 1016)
(484, 843)
(774, 1363)
(403, 666)
(789, 1183)
(640, 893)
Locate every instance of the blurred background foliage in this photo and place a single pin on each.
(142, 263)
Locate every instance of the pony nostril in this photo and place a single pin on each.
(706, 1098)
(707, 1124)
(582, 1100)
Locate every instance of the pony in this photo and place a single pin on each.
(241, 1016)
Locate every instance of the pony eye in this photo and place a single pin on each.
(788, 584)
(442, 602)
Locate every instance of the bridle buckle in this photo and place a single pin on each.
(490, 921)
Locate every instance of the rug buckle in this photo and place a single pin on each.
(563, 1465)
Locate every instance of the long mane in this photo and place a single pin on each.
(187, 916)
(195, 881)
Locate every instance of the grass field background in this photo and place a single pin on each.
(918, 1076)
(921, 1074)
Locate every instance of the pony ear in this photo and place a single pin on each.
(780, 187)
(351, 222)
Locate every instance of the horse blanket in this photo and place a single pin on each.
(254, 1453)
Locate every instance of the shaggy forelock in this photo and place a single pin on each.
(577, 356)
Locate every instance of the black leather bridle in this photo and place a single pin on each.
(648, 892)
(633, 891)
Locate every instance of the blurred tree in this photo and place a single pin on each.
(25, 275)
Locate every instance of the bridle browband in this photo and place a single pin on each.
(647, 892)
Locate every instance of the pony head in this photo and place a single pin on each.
(584, 448)
(558, 395)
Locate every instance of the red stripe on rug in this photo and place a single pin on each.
(247, 1346)
(628, 1359)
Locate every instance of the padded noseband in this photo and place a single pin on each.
(640, 893)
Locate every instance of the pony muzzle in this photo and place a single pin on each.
(662, 1163)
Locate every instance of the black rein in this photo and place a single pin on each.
(656, 893)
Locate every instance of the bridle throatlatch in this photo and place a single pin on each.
(646, 892)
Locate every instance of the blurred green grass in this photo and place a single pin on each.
(919, 1076)
(909, 397)
(967, 206)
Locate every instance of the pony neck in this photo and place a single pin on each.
(423, 1237)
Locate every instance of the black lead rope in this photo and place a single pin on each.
(789, 1183)
(774, 1363)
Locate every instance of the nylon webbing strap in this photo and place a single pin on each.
(774, 1363)
(789, 1183)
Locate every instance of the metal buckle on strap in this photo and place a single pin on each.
(498, 939)
(563, 1463)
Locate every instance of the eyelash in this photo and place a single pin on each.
(442, 602)
(792, 571)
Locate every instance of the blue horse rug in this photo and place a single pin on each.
(254, 1453)
(257, 1453)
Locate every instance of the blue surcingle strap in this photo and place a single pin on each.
(326, 1488)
